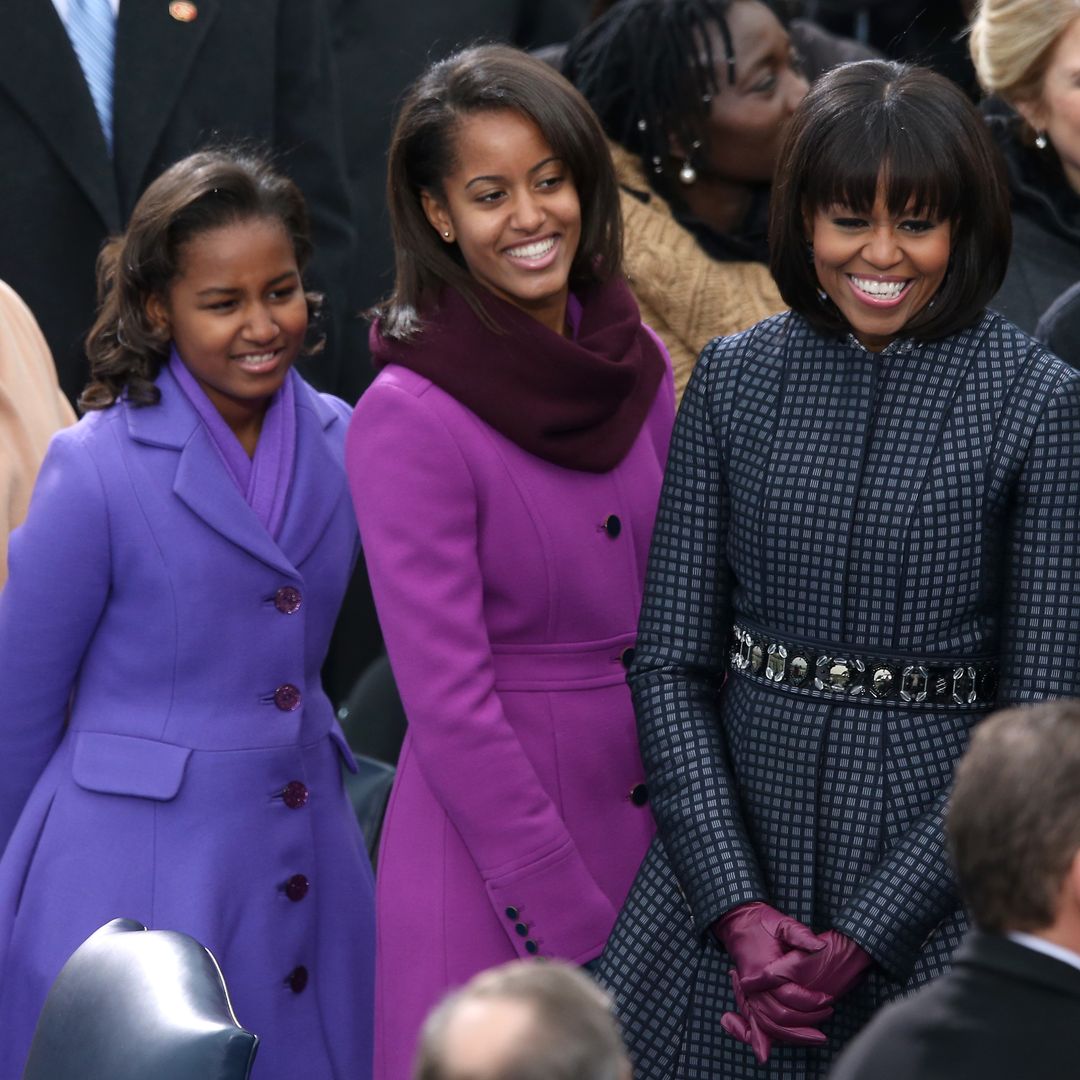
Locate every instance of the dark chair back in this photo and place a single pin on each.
(138, 1004)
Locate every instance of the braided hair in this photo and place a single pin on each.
(648, 70)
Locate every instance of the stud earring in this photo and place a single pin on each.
(446, 234)
(687, 174)
(1041, 141)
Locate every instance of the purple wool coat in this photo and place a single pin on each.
(196, 785)
(518, 816)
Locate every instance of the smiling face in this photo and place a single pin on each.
(1057, 112)
(512, 208)
(879, 269)
(237, 314)
(746, 119)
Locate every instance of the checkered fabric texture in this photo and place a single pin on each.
(919, 502)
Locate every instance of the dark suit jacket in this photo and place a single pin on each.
(1002, 1011)
(255, 69)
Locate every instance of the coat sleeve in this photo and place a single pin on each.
(680, 660)
(58, 583)
(418, 509)
(892, 914)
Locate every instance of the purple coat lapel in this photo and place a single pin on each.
(203, 485)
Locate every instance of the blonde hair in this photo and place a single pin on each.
(1012, 41)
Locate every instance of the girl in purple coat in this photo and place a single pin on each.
(505, 466)
(170, 755)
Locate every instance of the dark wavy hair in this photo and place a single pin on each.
(487, 78)
(648, 69)
(208, 190)
(916, 133)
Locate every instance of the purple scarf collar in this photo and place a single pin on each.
(578, 403)
(263, 480)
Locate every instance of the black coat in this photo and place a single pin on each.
(920, 502)
(1045, 258)
(1004, 1011)
(254, 69)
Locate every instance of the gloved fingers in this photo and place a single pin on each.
(768, 1029)
(758, 1041)
(797, 935)
(795, 996)
(800, 968)
(776, 1012)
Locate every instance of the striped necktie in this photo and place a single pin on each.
(91, 25)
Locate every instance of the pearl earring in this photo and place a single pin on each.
(687, 174)
(1041, 140)
(447, 234)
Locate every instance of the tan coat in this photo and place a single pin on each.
(687, 297)
(31, 409)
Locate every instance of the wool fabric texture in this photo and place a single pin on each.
(577, 402)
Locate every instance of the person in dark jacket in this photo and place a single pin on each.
(1026, 53)
(1009, 1006)
(866, 540)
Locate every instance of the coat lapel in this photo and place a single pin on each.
(154, 53)
(40, 71)
(201, 481)
(318, 479)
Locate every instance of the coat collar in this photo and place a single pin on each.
(1000, 954)
(55, 98)
(202, 483)
(154, 55)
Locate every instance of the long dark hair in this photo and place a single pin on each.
(647, 68)
(205, 191)
(487, 78)
(877, 121)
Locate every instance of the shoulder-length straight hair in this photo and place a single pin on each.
(916, 136)
(487, 78)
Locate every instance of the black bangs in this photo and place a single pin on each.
(854, 159)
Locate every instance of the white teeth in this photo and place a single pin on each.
(884, 290)
(534, 250)
(256, 359)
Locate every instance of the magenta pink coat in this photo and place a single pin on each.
(508, 591)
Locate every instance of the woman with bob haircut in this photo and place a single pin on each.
(868, 524)
(1026, 54)
(173, 756)
(505, 465)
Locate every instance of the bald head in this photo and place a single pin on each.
(526, 1020)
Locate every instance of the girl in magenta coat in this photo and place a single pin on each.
(505, 466)
(170, 754)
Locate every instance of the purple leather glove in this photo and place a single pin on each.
(756, 936)
(832, 970)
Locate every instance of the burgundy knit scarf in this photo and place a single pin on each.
(578, 402)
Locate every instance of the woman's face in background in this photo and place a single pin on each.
(746, 118)
(1057, 112)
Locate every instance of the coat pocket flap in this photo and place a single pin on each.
(125, 765)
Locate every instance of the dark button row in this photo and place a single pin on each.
(522, 930)
(296, 888)
(639, 794)
(287, 697)
(294, 795)
(297, 979)
(626, 657)
(612, 525)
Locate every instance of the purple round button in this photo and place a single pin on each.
(288, 600)
(297, 979)
(295, 795)
(296, 888)
(287, 697)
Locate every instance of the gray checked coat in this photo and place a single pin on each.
(919, 502)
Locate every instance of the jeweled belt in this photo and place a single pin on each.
(840, 673)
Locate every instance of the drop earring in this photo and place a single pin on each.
(687, 174)
(1041, 140)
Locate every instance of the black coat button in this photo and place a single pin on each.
(639, 794)
(612, 525)
(297, 979)
(627, 656)
(531, 947)
(288, 600)
(511, 912)
(294, 795)
(287, 697)
(522, 930)
(296, 888)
